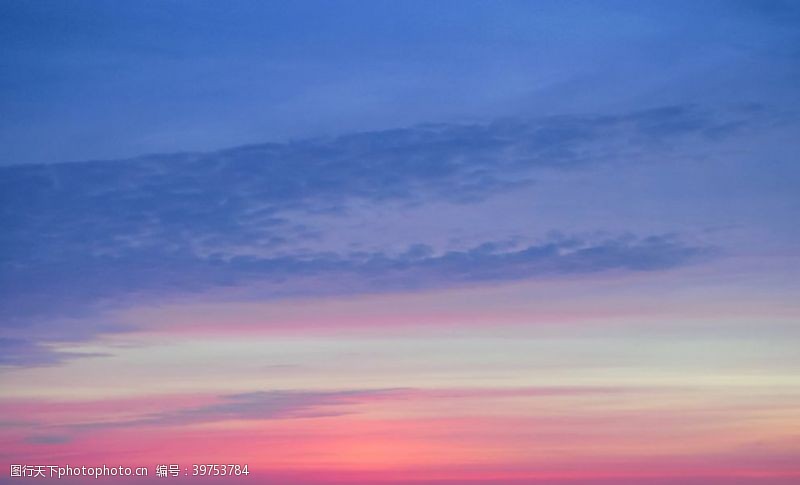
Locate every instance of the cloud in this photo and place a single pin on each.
(263, 405)
(153, 275)
(22, 352)
(48, 439)
(78, 237)
(296, 404)
(219, 202)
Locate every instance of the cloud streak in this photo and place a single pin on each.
(275, 405)
(221, 202)
(81, 236)
(151, 276)
(24, 352)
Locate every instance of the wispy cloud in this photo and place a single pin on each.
(78, 235)
(50, 439)
(262, 405)
(219, 202)
(285, 404)
(25, 352)
(150, 275)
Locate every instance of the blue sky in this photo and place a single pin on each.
(98, 80)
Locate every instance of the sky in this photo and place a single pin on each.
(453, 243)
